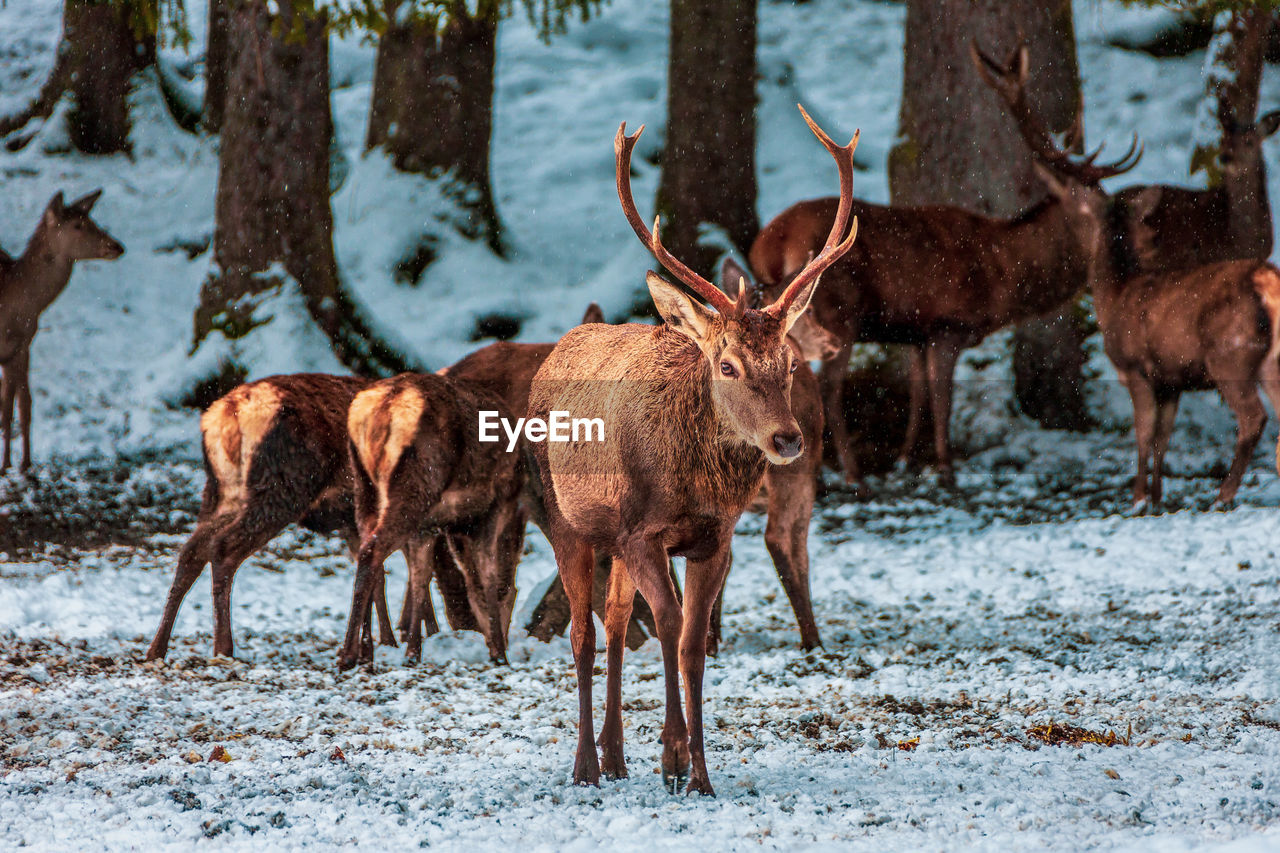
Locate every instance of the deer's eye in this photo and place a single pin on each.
(794, 365)
(727, 369)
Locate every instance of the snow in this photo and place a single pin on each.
(962, 619)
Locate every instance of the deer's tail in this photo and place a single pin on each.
(1266, 283)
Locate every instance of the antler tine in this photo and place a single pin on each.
(622, 147)
(835, 247)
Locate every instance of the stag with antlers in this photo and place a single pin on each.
(1213, 326)
(693, 410)
(936, 278)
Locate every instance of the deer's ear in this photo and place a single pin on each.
(801, 303)
(734, 280)
(593, 314)
(678, 311)
(85, 203)
(1269, 123)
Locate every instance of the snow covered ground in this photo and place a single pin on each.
(970, 621)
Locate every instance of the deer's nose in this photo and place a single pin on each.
(788, 444)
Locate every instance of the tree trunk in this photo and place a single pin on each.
(104, 53)
(215, 67)
(708, 165)
(272, 201)
(957, 146)
(432, 105)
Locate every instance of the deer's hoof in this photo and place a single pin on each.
(675, 782)
(700, 786)
(1140, 506)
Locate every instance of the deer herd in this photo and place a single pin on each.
(704, 408)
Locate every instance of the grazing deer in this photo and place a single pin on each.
(694, 409)
(28, 285)
(935, 277)
(420, 471)
(275, 454)
(1212, 326)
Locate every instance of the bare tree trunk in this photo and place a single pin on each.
(709, 166)
(215, 67)
(958, 147)
(104, 53)
(432, 108)
(273, 186)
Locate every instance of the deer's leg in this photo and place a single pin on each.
(1144, 430)
(647, 562)
(1242, 396)
(703, 580)
(617, 619)
(918, 398)
(8, 387)
(24, 408)
(831, 382)
(576, 566)
(940, 365)
(1166, 412)
(1269, 379)
(786, 535)
(453, 589)
(193, 557)
(417, 610)
(357, 646)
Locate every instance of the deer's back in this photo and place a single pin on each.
(912, 269)
(1169, 325)
(504, 369)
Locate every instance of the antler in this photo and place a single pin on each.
(834, 247)
(622, 146)
(1009, 80)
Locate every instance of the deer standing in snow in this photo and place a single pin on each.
(1212, 326)
(28, 285)
(694, 409)
(420, 472)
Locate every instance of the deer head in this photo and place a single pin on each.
(746, 349)
(1074, 180)
(72, 234)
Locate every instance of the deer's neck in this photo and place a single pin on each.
(36, 278)
(716, 466)
(1249, 208)
(1042, 265)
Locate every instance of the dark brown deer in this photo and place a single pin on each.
(420, 471)
(936, 278)
(1183, 228)
(275, 454)
(694, 410)
(28, 285)
(1211, 326)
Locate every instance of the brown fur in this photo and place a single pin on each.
(28, 285)
(275, 455)
(1213, 326)
(1169, 332)
(936, 278)
(421, 473)
(692, 410)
